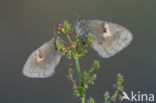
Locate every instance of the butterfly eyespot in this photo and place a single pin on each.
(39, 56)
(104, 28)
(106, 32)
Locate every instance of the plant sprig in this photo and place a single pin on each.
(76, 49)
(119, 88)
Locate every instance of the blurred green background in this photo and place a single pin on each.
(27, 24)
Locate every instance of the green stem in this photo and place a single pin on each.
(78, 71)
(82, 100)
(68, 38)
(115, 94)
(76, 63)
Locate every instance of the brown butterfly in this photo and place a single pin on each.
(108, 38)
(42, 62)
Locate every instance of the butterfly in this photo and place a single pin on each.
(108, 39)
(42, 62)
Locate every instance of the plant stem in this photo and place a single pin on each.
(68, 38)
(115, 95)
(78, 71)
(76, 59)
(82, 100)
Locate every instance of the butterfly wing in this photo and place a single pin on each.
(108, 38)
(42, 62)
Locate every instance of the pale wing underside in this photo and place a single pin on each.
(42, 62)
(108, 38)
